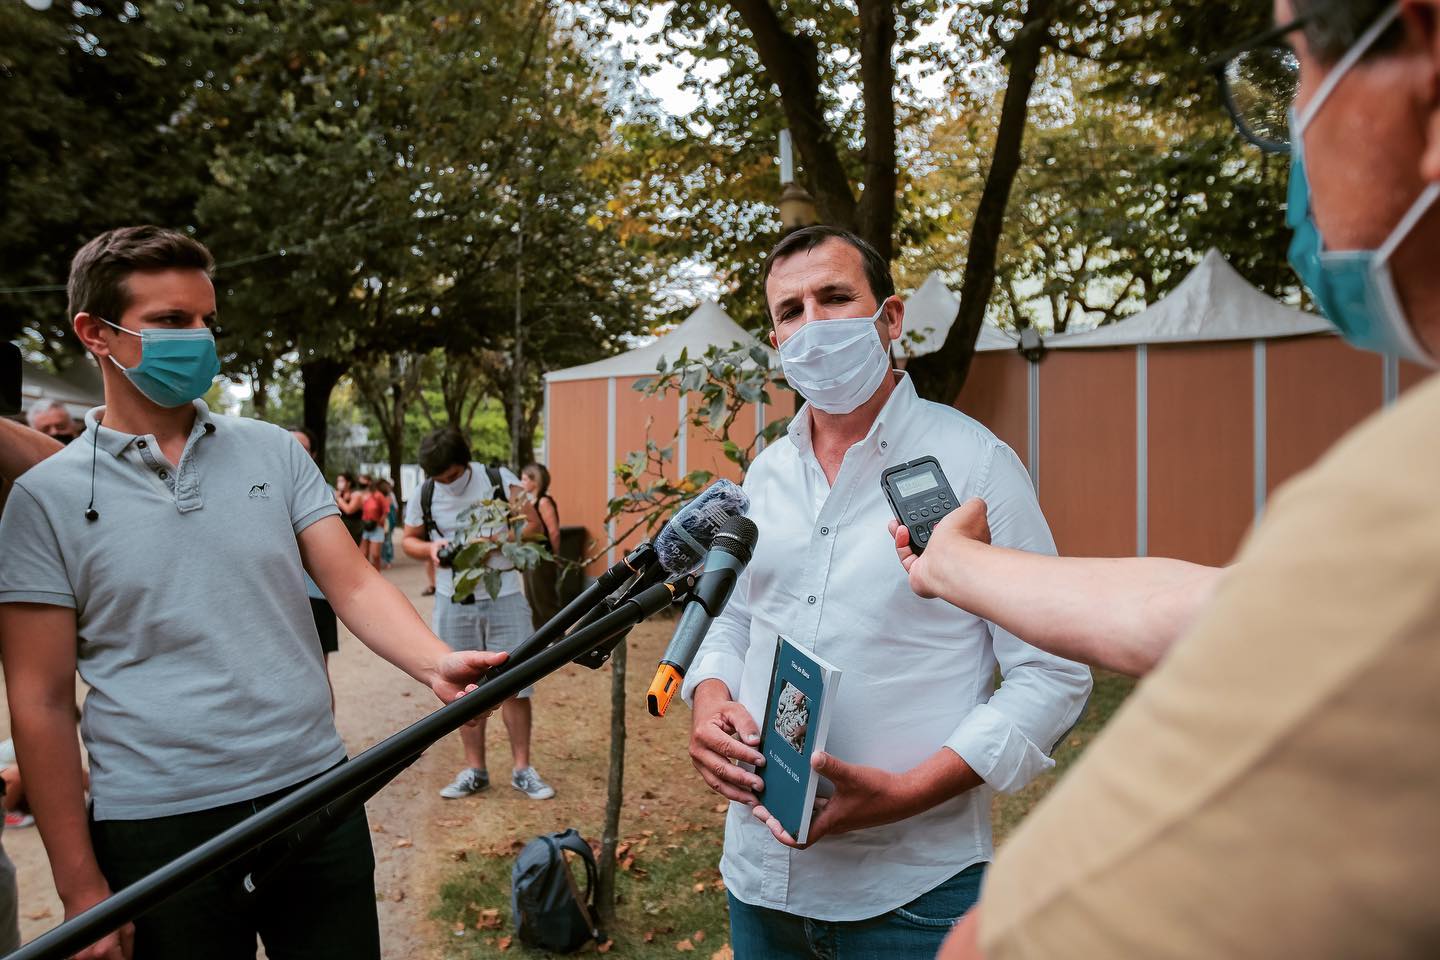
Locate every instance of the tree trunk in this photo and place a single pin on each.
(319, 374)
(396, 441)
(614, 789)
(940, 375)
(259, 399)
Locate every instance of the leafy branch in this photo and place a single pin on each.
(490, 532)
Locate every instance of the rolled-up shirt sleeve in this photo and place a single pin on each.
(722, 654)
(1007, 739)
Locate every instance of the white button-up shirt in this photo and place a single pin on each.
(918, 674)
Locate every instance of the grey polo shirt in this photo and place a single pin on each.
(207, 683)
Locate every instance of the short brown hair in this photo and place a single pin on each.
(441, 449)
(99, 271)
(877, 270)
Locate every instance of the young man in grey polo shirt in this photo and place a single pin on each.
(164, 556)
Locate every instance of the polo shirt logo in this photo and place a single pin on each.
(260, 491)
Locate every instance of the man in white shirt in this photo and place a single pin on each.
(919, 736)
(479, 622)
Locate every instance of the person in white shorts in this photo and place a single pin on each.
(477, 623)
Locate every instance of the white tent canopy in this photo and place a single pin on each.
(707, 326)
(930, 312)
(1213, 303)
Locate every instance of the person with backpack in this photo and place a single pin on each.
(456, 485)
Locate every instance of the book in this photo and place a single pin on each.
(797, 716)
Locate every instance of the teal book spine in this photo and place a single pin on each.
(797, 717)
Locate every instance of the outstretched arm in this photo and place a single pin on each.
(1120, 614)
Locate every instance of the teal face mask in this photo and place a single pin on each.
(176, 366)
(1353, 288)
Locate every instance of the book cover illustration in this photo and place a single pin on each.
(797, 717)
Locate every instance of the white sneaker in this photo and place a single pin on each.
(467, 782)
(528, 782)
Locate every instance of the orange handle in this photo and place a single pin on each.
(663, 688)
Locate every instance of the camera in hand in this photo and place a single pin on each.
(445, 556)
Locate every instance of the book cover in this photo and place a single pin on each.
(797, 716)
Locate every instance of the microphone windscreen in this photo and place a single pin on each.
(698, 522)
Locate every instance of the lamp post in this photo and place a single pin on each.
(797, 207)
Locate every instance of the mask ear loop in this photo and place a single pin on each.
(1343, 66)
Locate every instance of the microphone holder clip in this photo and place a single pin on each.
(600, 655)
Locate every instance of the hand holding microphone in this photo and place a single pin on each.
(730, 551)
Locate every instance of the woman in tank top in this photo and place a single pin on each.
(541, 585)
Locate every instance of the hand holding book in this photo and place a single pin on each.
(870, 797)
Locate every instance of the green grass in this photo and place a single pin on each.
(1109, 693)
(658, 897)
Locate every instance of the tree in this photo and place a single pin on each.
(71, 79)
(725, 380)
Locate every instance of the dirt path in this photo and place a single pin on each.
(417, 836)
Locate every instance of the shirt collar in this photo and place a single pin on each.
(115, 442)
(888, 422)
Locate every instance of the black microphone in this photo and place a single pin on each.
(730, 552)
(675, 551)
(683, 541)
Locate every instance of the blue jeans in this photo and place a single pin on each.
(914, 930)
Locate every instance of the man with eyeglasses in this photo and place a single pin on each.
(1271, 788)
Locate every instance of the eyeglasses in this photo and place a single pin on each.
(1258, 80)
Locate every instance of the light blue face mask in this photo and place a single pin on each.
(1353, 288)
(176, 366)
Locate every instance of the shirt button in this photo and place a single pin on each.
(140, 444)
(810, 599)
(824, 531)
(883, 444)
(164, 475)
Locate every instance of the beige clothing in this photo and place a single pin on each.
(1272, 789)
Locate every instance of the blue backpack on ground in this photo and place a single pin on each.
(549, 911)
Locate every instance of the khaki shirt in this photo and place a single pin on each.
(1272, 789)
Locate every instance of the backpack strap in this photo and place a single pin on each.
(427, 497)
(572, 841)
(497, 485)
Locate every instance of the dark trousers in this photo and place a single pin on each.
(319, 903)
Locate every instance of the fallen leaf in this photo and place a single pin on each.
(377, 828)
(724, 953)
(489, 919)
(449, 823)
(398, 896)
(459, 856)
(721, 807)
(649, 936)
(404, 842)
(684, 946)
(700, 887)
(604, 947)
(43, 914)
(699, 936)
(503, 943)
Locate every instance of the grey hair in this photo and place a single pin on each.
(40, 408)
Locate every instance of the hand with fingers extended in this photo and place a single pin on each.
(723, 735)
(963, 527)
(863, 797)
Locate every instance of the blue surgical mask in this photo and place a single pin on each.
(1353, 288)
(176, 366)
